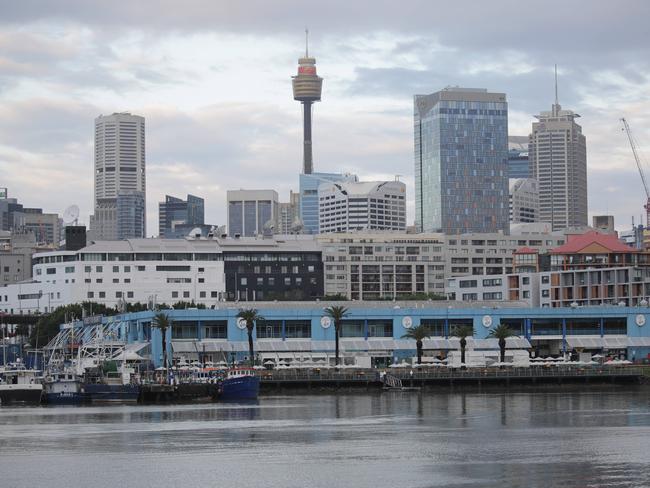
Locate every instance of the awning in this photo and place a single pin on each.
(184, 346)
(597, 342)
(638, 341)
(511, 343)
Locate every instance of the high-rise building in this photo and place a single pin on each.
(518, 164)
(558, 156)
(309, 184)
(252, 212)
(524, 200)
(130, 215)
(119, 168)
(307, 88)
(371, 205)
(175, 212)
(289, 214)
(461, 161)
(603, 223)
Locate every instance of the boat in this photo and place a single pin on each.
(64, 388)
(20, 386)
(240, 384)
(101, 385)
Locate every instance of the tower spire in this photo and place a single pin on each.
(307, 43)
(556, 105)
(556, 101)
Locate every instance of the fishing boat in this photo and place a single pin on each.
(240, 384)
(101, 385)
(64, 388)
(19, 385)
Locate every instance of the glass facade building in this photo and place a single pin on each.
(252, 212)
(309, 203)
(461, 161)
(131, 215)
(177, 212)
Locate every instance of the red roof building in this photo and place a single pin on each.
(596, 250)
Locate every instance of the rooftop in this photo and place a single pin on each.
(592, 242)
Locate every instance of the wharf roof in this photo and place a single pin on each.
(593, 242)
(379, 304)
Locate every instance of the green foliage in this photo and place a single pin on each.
(501, 331)
(462, 331)
(337, 313)
(250, 316)
(418, 333)
(182, 305)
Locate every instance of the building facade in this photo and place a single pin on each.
(309, 204)
(518, 163)
(558, 158)
(119, 169)
(131, 215)
(349, 206)
(461, 161)
(178, 212)
(252, 212)
(523, 201)
(289, 215)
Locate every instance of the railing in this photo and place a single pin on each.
(372, 375)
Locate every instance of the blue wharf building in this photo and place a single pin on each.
(375, 330)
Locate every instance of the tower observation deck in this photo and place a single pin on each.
(307, 87)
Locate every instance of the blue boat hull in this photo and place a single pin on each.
(241, 388)
(66, 398)
(100, 393)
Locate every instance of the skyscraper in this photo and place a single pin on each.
(518, 164)
(177, 212)
(461, 161)
(130, 214)
(252, 212)
(307, 88)
(309, 184)
(558, 158)
(524, 200)
(119, 169)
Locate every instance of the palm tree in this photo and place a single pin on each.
(501, 332)
(250, 316)
(162, 322)
(337, 313)
(462, 332)
(418, 334)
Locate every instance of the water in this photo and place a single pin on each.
(429, 439)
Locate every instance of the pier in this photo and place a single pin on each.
(370, 378)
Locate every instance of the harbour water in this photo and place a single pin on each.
(415, 439)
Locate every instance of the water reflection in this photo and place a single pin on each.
(540, 439)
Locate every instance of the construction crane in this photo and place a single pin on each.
(644, 180)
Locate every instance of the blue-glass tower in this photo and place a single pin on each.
(461, 161)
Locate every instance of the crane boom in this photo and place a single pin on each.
(626, 127)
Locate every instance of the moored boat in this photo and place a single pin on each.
(240, 384)
(19, 385)
(64, 388)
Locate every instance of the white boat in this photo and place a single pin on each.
(19, 385)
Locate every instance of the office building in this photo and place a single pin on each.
(523, 200)
(175, 212)
(461, 161)
(558, 158)
(373, 205)
(518, 164)
(289, 215)
(309, 204)
(603, 223)
(119, 169)
(252, 212)
(131, 215)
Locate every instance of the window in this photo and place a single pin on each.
(102, 294)
(287, 281)
(201, 280)
(297, 329)
(269, 329)
(271, 281)
(184, 330)
(118, 294)
(467, 284)
(50, 271)
(127, 280)
(141, 268)
(129, 294)
(243, 281)
(69, 269)
(201, 294)
(87, 269)
(214, 294)
(87, 280)
(174, 294)
(99, 280)
(99, 269)
(116, 269)
(545, 279)
(215, 329)
(186, 294)
(201, 270)
(127, 269)
(470, 296)
(116, 280)
(91, 294)
(525, 280)
(260, 281)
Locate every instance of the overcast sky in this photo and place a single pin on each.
(213, 80)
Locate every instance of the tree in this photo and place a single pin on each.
(162, 322)
(418, 334)
(337, 313)
(250, 316)
(462, 332)
(501, 332)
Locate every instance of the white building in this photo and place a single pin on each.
(350, 206)
(119, 170)
(252, 212)
(523, 200)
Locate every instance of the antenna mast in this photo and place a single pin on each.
(306, 43)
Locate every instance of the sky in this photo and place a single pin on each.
(213, 81)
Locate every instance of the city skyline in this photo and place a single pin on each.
(63, 67)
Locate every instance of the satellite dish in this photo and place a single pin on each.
(297, 226)
(71, 215)
(195, 233)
